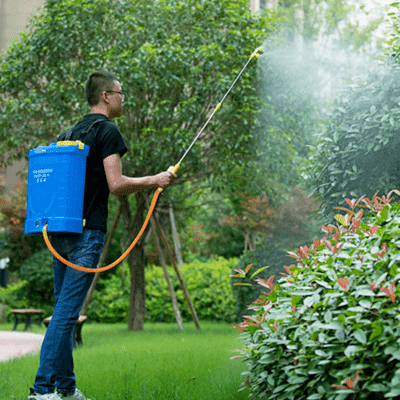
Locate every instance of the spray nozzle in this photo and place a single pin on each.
(255, 53)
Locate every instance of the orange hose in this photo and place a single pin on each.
(93, 270)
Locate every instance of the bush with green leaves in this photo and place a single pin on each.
(208, 284)
(34, 289)
(329, 329)
(357, 155)
(12, 297)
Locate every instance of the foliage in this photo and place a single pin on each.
(174, 59)
(393, 42)
(329, 329)
(208, 285)
(334, 18)
(5, 292)
(14, 244)
(38, 272)
(12, 297)
(359, 152)
(271, 256)
(287, 220)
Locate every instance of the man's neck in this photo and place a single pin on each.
(99, 110)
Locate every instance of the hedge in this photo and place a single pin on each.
(330, 329)
(208, 284)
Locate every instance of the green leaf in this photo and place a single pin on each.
(273, 296)
(360, 336)
(376, 333)
(350, 351)
(377, 387)
(258, 271)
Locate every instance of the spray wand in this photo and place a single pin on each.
(157, 192)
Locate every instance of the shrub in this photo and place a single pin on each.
(330, 328)
(270, 255)
(358, 153)
(38, 271)
(208, 284)
(12, 297)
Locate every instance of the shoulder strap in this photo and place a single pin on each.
(66, 135)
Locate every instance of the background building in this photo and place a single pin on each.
(14, 17)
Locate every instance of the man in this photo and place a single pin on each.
(103, 175)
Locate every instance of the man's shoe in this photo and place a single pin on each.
(78, 395)
(48, 396)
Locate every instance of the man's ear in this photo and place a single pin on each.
(104, 96)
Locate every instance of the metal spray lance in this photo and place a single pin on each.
(175, 168)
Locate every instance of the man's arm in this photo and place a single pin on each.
(121, 184)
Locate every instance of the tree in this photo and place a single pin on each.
(174, 58)
(358, 153)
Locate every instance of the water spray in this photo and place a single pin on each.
(157, 192)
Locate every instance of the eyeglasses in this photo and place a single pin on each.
(122, 94)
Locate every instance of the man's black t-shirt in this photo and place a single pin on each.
(104, 139)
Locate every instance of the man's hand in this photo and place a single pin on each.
(165, 179)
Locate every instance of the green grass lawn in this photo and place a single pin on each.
(159, 363)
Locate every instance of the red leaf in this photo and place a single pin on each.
(294, 255)
(267, 284)
(287, 269)
(350, 383)
(328, 244)
(339, 387)
(343, 283)
(250, 318)
(240, 271)
(350, 202)
(389, 293)
(316, 243)
(248, 268)
(340, 248)
(373, 229)
(336, 235)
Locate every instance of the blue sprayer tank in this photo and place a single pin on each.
(56, 186)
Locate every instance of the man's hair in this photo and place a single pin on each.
(97, 83)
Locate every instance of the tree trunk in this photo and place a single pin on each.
(102, 262)
(136, 261)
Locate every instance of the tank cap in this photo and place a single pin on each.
(72, 143)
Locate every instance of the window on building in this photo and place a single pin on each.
(263, 4)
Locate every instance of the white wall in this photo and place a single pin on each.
(14, 17)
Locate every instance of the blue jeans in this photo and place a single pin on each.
(70, 288)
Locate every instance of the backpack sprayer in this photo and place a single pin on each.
(56, 182)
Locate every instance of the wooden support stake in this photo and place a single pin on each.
(175, 237)
(174, 263)
(166, 274)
